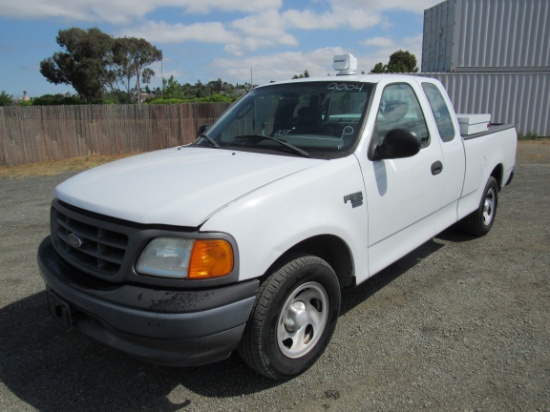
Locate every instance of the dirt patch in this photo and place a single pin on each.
(534, 150)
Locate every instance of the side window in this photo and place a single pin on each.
(441, 112)
(400, 108)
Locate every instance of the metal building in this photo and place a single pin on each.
(521, 99)
(487, 35)
(492, 56)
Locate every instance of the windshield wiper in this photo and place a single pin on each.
(281, 142)
(210, 140)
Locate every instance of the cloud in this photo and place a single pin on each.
(265, 24)
(247, 6)
(415, 6)
(117, 12)
(123, 11)
(338, 16)
(162, 32)
(378, 42)
(277, 66)
(245, 35)
(261, 30)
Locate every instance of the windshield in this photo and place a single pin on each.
(318, 119)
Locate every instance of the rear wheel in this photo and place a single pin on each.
(293, 318)
(480, 222)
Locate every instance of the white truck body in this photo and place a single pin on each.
(274, 204)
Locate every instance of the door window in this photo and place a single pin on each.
(441, 112)
(400, 108)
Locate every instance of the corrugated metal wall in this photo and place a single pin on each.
(467, 35)
(498, 53)
(522, 99)
(437, 41)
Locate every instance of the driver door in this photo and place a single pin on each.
(403, 195)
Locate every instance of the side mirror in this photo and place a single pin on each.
(398, 143)
(202, 128)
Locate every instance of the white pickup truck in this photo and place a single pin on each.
(244, 238)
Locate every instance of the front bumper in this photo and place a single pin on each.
(168, 327)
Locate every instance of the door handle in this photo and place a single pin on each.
(437, 168)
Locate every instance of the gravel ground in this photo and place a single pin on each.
(460, 324)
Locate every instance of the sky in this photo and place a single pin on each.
(231, 40)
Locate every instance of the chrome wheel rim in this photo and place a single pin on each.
(489, 207)
(303, 319)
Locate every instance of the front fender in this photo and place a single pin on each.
(327, 199)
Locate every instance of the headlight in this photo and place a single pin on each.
(186, 258)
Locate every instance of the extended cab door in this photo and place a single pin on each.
(446, 128)
(403, 195)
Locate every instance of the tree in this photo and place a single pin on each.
(379, 68)
(216, 86)
(92, 62)
(400, 62)
(172, 89)
(132, 56)
(6, 99)
(301, 76)
(85, 62)
(146, 76)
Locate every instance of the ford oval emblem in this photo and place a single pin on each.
(74, 240)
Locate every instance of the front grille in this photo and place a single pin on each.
(88, 243)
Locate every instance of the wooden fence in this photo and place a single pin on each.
(44, 133)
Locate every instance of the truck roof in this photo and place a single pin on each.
(363, 78)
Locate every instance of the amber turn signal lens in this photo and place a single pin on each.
(210, 258)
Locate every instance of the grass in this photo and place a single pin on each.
(530, 136)
(56, 167)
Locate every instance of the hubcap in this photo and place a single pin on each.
(296, 317)
(302, 320)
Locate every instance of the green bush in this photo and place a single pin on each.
(6, 99)
(56, 100)
(214, 98)
(168, 101)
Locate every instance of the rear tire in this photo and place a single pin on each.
(480, 222)
(293, 318)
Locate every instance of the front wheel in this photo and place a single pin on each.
(480, 222)
(293, 318)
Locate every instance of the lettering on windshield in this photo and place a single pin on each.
(283, 132)
(345, 87)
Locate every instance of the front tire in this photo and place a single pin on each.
(293, 318)
(480, 222)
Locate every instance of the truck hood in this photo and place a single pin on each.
(179, 186)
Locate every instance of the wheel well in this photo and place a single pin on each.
(330, 248)
(498, 173)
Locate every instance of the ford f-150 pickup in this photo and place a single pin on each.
(244, 239)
